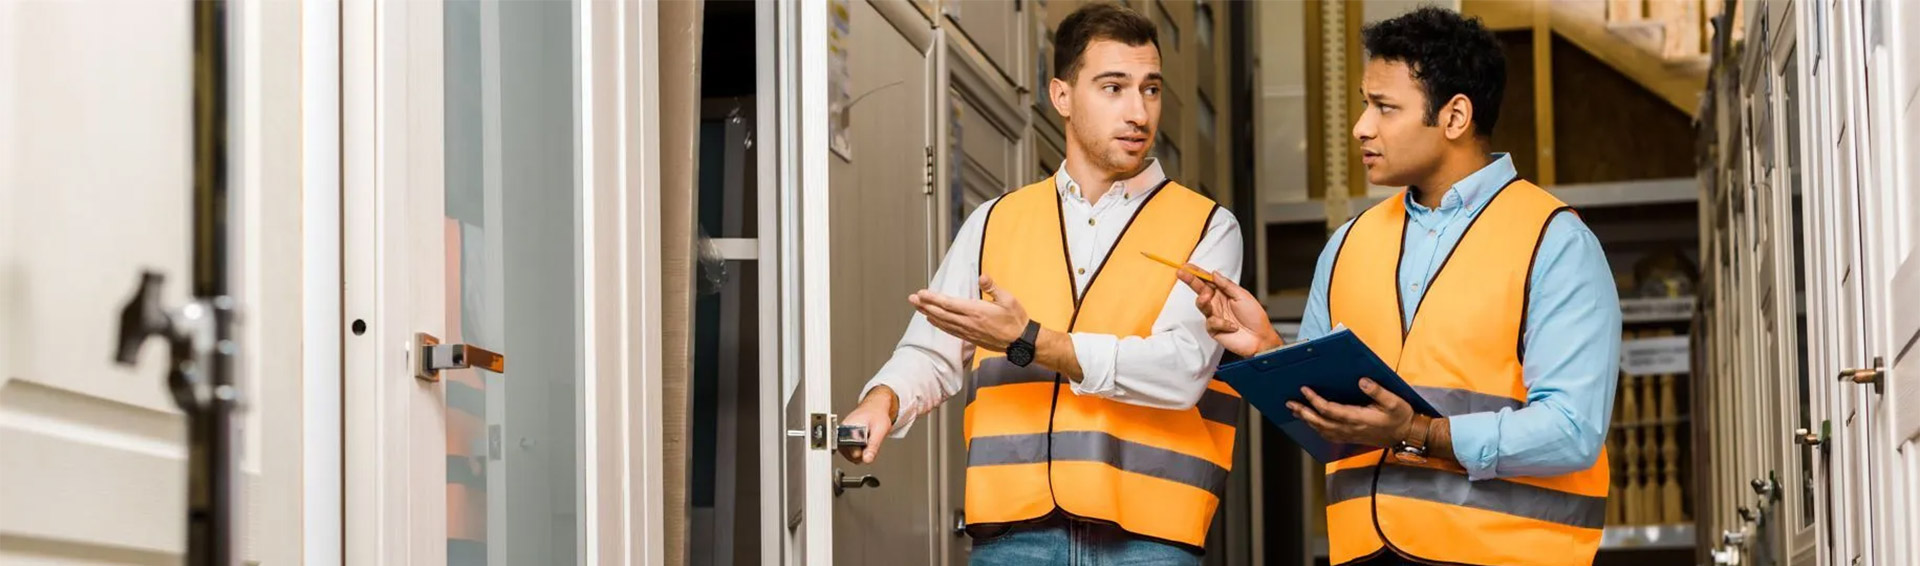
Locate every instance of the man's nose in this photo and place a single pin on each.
(1135, 112)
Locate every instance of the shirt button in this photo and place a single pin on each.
(1089, 221)
(1430, 233)
(1414, 286)
(1083, 271)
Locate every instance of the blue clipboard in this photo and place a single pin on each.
(1332, 366)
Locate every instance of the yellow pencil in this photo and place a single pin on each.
(1204, 276)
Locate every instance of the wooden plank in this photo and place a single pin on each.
(1681, 21)
(1501, 15)
(1626, 10)
(1679, 85)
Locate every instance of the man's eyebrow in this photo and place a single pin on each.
(1155, 77)
(1110, 75)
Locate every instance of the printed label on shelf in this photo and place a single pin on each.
(1654, 356)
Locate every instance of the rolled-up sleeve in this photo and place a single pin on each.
(1169, 368)
(1571, 367)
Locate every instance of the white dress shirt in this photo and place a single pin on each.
(1168, 369)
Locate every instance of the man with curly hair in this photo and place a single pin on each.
(1487, 295)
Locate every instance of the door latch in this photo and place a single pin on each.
(1874, 376)
(821, 431)
(430, 357)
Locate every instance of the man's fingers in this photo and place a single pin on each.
(942, 318)
(1221, 325)
(1329, 409)
(1313, 419)
(925, 297)
(994, 293)
(873, 450)
(1385, 399)
(1231, 289)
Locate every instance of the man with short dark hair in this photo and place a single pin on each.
(1094, 428)
(1485, 293)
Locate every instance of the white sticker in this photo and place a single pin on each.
(1654, 356)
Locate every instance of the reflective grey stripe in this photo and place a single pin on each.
(1214, 405)
(1452, 402)
(1090, 446)
(1499, 496)
(1220, 407)
(999, 371)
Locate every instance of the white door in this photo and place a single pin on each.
(1841, 81)
(488, 211)
(1792, 490)
(798, 85)
(1890, 116)
(95, 186)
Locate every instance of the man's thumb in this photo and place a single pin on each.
(992, 292)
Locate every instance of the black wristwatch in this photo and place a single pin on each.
(1020, 352)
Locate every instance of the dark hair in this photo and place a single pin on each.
(1449, 54)
(1098, 21)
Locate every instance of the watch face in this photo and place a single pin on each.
(1020, 353)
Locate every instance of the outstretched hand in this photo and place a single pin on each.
(1235, 318)
(991, 324)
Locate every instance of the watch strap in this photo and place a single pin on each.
(1032, 334)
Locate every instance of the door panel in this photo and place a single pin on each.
(1893, 274)
(882, 237)
(512, 272)
(462, 166)
(95, 186)
(74, 424)
(995, 28)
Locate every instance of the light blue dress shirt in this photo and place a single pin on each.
(1572, 335)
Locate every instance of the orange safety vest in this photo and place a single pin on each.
(1462, 353)
(1033, 445)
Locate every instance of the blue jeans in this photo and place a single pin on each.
(1068, 542)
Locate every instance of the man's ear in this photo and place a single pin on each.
(1059, 93)
(1457, 117)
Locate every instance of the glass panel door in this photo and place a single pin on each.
(513, 277)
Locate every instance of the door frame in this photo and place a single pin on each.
(322, 435)
(390, 127)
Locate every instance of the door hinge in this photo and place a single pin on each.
(928, 187)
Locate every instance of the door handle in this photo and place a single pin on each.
(842, 483)
(1805, 437)
(1867, 376)
(431, 357)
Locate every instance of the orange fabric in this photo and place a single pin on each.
(1465, 335)
(1023, 250)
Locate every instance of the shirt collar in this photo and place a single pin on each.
(1476, 189)
(1131, 188)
